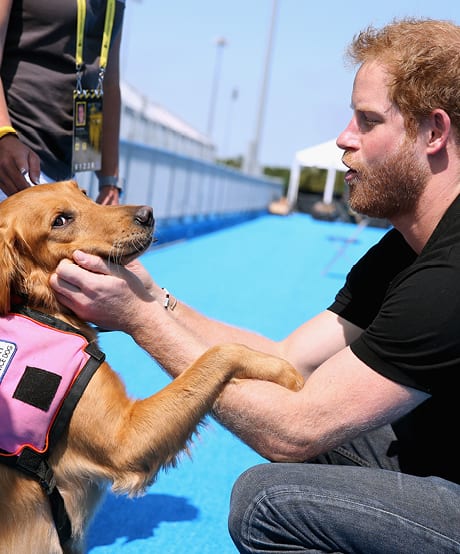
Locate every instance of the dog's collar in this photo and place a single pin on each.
(17, 301)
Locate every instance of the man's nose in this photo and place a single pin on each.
(347, 140)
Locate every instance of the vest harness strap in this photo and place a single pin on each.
(45, 366)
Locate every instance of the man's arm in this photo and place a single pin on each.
(125, 296)
(341, 398)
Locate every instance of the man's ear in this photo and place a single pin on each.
(438, 128)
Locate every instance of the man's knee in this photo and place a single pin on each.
(240, 498)
(246, 489)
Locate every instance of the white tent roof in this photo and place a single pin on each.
(326, 155)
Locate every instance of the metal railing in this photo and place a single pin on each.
(177, 186)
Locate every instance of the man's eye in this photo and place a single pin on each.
(368, 120)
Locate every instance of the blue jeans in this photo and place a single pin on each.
(353, 500)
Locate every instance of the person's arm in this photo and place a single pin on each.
(5, 10)
(340, 400)
(341, 397)
(117, 300)
(111, 125)
(16, 159)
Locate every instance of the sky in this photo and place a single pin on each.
(170, 54)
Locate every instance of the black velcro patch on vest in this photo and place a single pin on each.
(37, 387)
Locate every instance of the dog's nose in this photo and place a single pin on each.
(144, 216)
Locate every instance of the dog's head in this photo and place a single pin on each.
(42, 225)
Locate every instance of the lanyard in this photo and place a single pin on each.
(108, 25)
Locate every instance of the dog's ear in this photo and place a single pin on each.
(9, 264)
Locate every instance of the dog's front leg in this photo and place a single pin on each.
(129, 441)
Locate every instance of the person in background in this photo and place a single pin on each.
(47, 81)
(366, 451)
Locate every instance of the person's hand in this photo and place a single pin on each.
(16, 161)
(144, 277)
(108, 195)
(111, 296)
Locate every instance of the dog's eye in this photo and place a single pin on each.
(61, 220)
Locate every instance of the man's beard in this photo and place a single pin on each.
(392, 187)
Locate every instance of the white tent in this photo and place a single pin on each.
(326, 155)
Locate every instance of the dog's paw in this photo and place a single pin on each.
(287, 376)
(252, 364)
(278, 370)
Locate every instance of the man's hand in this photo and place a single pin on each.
(111, 296)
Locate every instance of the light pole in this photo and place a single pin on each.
(220, 43)
(252, 159)
(228, 127)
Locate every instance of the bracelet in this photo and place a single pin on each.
(170, 301)
(7, 130)
(108, 181)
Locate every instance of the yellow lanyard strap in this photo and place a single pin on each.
(81, 16)
(108, 26)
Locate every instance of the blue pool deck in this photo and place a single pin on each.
(269, 274)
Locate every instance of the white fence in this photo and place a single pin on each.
(178, 187)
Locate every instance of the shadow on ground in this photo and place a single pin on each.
(133, 519)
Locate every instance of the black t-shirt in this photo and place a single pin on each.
(409, 308)
(39, 75)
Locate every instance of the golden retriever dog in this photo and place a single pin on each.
(109, 438)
